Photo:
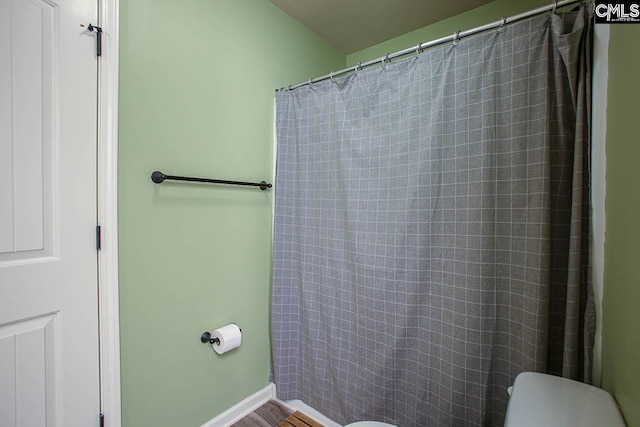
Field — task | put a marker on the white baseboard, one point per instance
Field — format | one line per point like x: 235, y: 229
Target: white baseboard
x: 243, y: 408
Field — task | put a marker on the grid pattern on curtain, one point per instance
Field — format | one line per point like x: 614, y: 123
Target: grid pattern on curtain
x: 431, y: 229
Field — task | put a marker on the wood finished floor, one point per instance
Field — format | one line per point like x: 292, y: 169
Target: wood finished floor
x: 268, y: 415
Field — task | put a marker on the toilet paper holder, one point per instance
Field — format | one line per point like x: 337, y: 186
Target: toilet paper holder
x: 205, y: 338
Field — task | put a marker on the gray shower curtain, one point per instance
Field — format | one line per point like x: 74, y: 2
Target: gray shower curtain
x: 432, y: 228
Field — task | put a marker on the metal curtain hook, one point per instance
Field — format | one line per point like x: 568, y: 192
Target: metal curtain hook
x: 456, y: 38
x: 418, y: 49
x: 503, y: 21
x: 331, y: 77
x: 555, y: 6
x: 385, y: 60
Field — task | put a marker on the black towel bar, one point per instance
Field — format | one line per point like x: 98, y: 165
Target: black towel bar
x: 158, y: 177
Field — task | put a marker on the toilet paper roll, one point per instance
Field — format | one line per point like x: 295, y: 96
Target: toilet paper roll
x: 229, y: 337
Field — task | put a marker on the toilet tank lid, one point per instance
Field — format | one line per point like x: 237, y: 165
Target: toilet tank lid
x: 547, y: 400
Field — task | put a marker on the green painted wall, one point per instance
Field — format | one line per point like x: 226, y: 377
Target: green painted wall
x: 621, y: 320
x: 473, y: 18
x: 197, y: 80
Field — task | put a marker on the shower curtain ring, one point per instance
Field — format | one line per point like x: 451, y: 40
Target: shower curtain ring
x: 385, y: 60
x: 456, y: 38
x: 503, y: 21
x: 331, y: 76
x: 555, y: 6
x: 418, y: 51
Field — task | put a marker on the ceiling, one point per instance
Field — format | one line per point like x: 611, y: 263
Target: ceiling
x: 352, y: 25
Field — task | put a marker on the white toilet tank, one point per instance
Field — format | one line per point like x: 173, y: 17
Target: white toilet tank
x: 545, y: 400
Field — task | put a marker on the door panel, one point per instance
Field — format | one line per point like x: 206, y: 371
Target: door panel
x: 29, y: 140
x: 29, y: 375
x: 49, y: 371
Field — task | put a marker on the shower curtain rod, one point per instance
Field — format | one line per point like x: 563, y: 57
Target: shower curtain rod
x: 452, y: 38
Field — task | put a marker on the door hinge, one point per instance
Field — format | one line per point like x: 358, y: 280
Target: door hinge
x: 101, y: 419
x: 98, y: 237
x: 91, y: 28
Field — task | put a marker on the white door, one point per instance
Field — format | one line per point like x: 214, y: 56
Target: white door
x: 49, y: 369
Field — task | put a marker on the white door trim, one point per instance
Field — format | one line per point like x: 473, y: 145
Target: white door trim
x: 108, y: 212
